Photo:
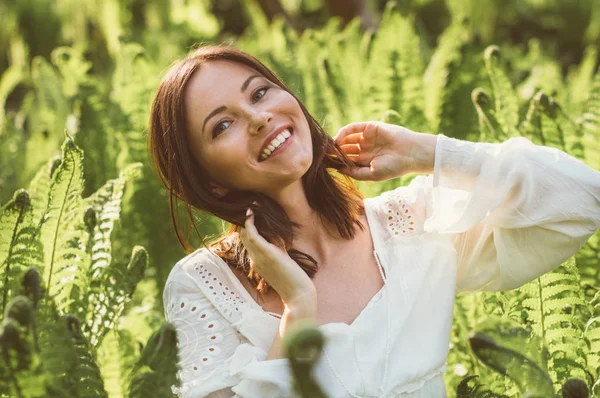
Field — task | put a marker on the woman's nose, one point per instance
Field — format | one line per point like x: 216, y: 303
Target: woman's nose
x: 259, y: 122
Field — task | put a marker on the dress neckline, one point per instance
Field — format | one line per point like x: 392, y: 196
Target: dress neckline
x: 373, y: 232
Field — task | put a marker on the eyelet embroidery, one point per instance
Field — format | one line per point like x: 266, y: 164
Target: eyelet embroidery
x: 227, y: 301
x: 400, y: 219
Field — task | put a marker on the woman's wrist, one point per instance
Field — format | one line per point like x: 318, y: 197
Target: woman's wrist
x: 302, y: 306
x: 423, y: 153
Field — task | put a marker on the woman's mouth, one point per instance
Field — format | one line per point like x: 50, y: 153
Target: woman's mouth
x: 278, y: 147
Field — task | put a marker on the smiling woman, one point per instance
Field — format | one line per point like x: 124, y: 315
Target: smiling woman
x: 214, y: 114
x: 489, y: 217
x: 226, y: 134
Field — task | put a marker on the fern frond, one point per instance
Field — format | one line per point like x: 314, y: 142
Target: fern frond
x: 112, y: 293
x: 8, y: 81
x: 489, y: 128
x: 592, y: 334
x: 554, y: 299
x: 20, y: 247
x: 65, y: 258
x: 116, y: 358
x: 57, y: 354
x: 86, y: 371
x: 315, y: 101
x: 579, y: 82
x: 48, y: 115
x: 379, y: 49
x: 332, y: 88
x: 588, y: 258
x: 73, y: 68
x: 39, y: 190
x: 590, y: 121
x: 507, y: 105
x: 104, y: 206
x: 156, y: 370
x: 446, y: 57
x: 546, y: 123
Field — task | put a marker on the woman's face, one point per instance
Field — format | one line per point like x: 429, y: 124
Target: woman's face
x: 231, y: 113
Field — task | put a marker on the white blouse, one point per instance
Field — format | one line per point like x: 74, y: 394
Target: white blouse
x: 491, y: 217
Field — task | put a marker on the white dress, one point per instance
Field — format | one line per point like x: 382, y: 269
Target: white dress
x: 490, y: 217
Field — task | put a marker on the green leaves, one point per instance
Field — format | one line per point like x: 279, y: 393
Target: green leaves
x: 49, y: 341
x: 155, y: 372
x: 64, y: 253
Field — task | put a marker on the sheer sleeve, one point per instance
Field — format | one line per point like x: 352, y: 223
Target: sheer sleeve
x: 514, y: 210
x: 216, y: 358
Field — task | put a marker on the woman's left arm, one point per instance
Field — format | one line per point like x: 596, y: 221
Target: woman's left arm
x: 514, y: 210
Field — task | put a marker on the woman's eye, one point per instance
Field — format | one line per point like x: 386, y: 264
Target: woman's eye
x: 261, y: 89
x: 217, y: 131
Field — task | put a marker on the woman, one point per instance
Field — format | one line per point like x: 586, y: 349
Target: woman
x: 377, y: 276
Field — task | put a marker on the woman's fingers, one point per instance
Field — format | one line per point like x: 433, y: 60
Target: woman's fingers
x: 356, y: 138
x: 366, y: 128
x: 248, y: 233
x: 348, y: 129
x: 351, y: 149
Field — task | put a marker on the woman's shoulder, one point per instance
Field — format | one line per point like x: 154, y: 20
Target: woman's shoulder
x: 201, y: 276
x: 401, y: 211
x: 201, y: 259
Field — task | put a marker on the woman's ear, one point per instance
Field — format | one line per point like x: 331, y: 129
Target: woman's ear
x: 218, y: 190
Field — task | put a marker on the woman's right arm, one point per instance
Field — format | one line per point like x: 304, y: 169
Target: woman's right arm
x: 301, y: 309
x: 219, y: 356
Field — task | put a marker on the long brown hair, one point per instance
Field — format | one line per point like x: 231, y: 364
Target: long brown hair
x: 336, y: 200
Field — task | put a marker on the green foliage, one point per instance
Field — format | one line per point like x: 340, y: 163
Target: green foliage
x: 63, y: 292
x: 103, y: 245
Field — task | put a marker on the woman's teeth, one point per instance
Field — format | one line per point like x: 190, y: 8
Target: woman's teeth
x: 277, y: 141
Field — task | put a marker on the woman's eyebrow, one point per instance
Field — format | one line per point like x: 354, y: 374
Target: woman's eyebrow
x: 223, y: 108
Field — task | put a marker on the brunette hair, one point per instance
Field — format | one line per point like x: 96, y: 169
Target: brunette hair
x: 337, y: 201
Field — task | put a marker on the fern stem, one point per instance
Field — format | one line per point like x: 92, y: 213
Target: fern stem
x: 10, y: 250
x: 62, y: 208
x: 543, y: 329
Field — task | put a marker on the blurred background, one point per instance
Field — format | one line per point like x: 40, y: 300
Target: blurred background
x: 482, y: 70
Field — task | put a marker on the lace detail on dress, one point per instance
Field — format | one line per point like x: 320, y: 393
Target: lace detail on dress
x: 399, y: 215
x: 200, y: 302
x: 226, y: 298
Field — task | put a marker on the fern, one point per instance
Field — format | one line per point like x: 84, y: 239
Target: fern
x: 65, y: 258
x: 592, y: 334
x: 84, y: 370
x: 590, y: 121
x: 48, y: 114
x: 155, y: 372
x: 8, y: 81
x: 19, y: 246
x: 447, y: 56
x: 73, y: 69
x: 381, y: 65
x: 579, y: 82
x: 315, y: 101
x: 116, y: 359
x: 587, y: 260
x: 507, y: 109
x: 39, y: 190
x: 116, y: 288
x: 556, y: 300
x: 106, y: 207
x: 546, y: 124
x: 489, y: 128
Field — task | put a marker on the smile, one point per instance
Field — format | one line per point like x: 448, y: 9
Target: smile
x: 282, y: 146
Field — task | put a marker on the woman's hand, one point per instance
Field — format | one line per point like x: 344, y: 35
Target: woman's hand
x: 280, y: 271
x: 383, y: 151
